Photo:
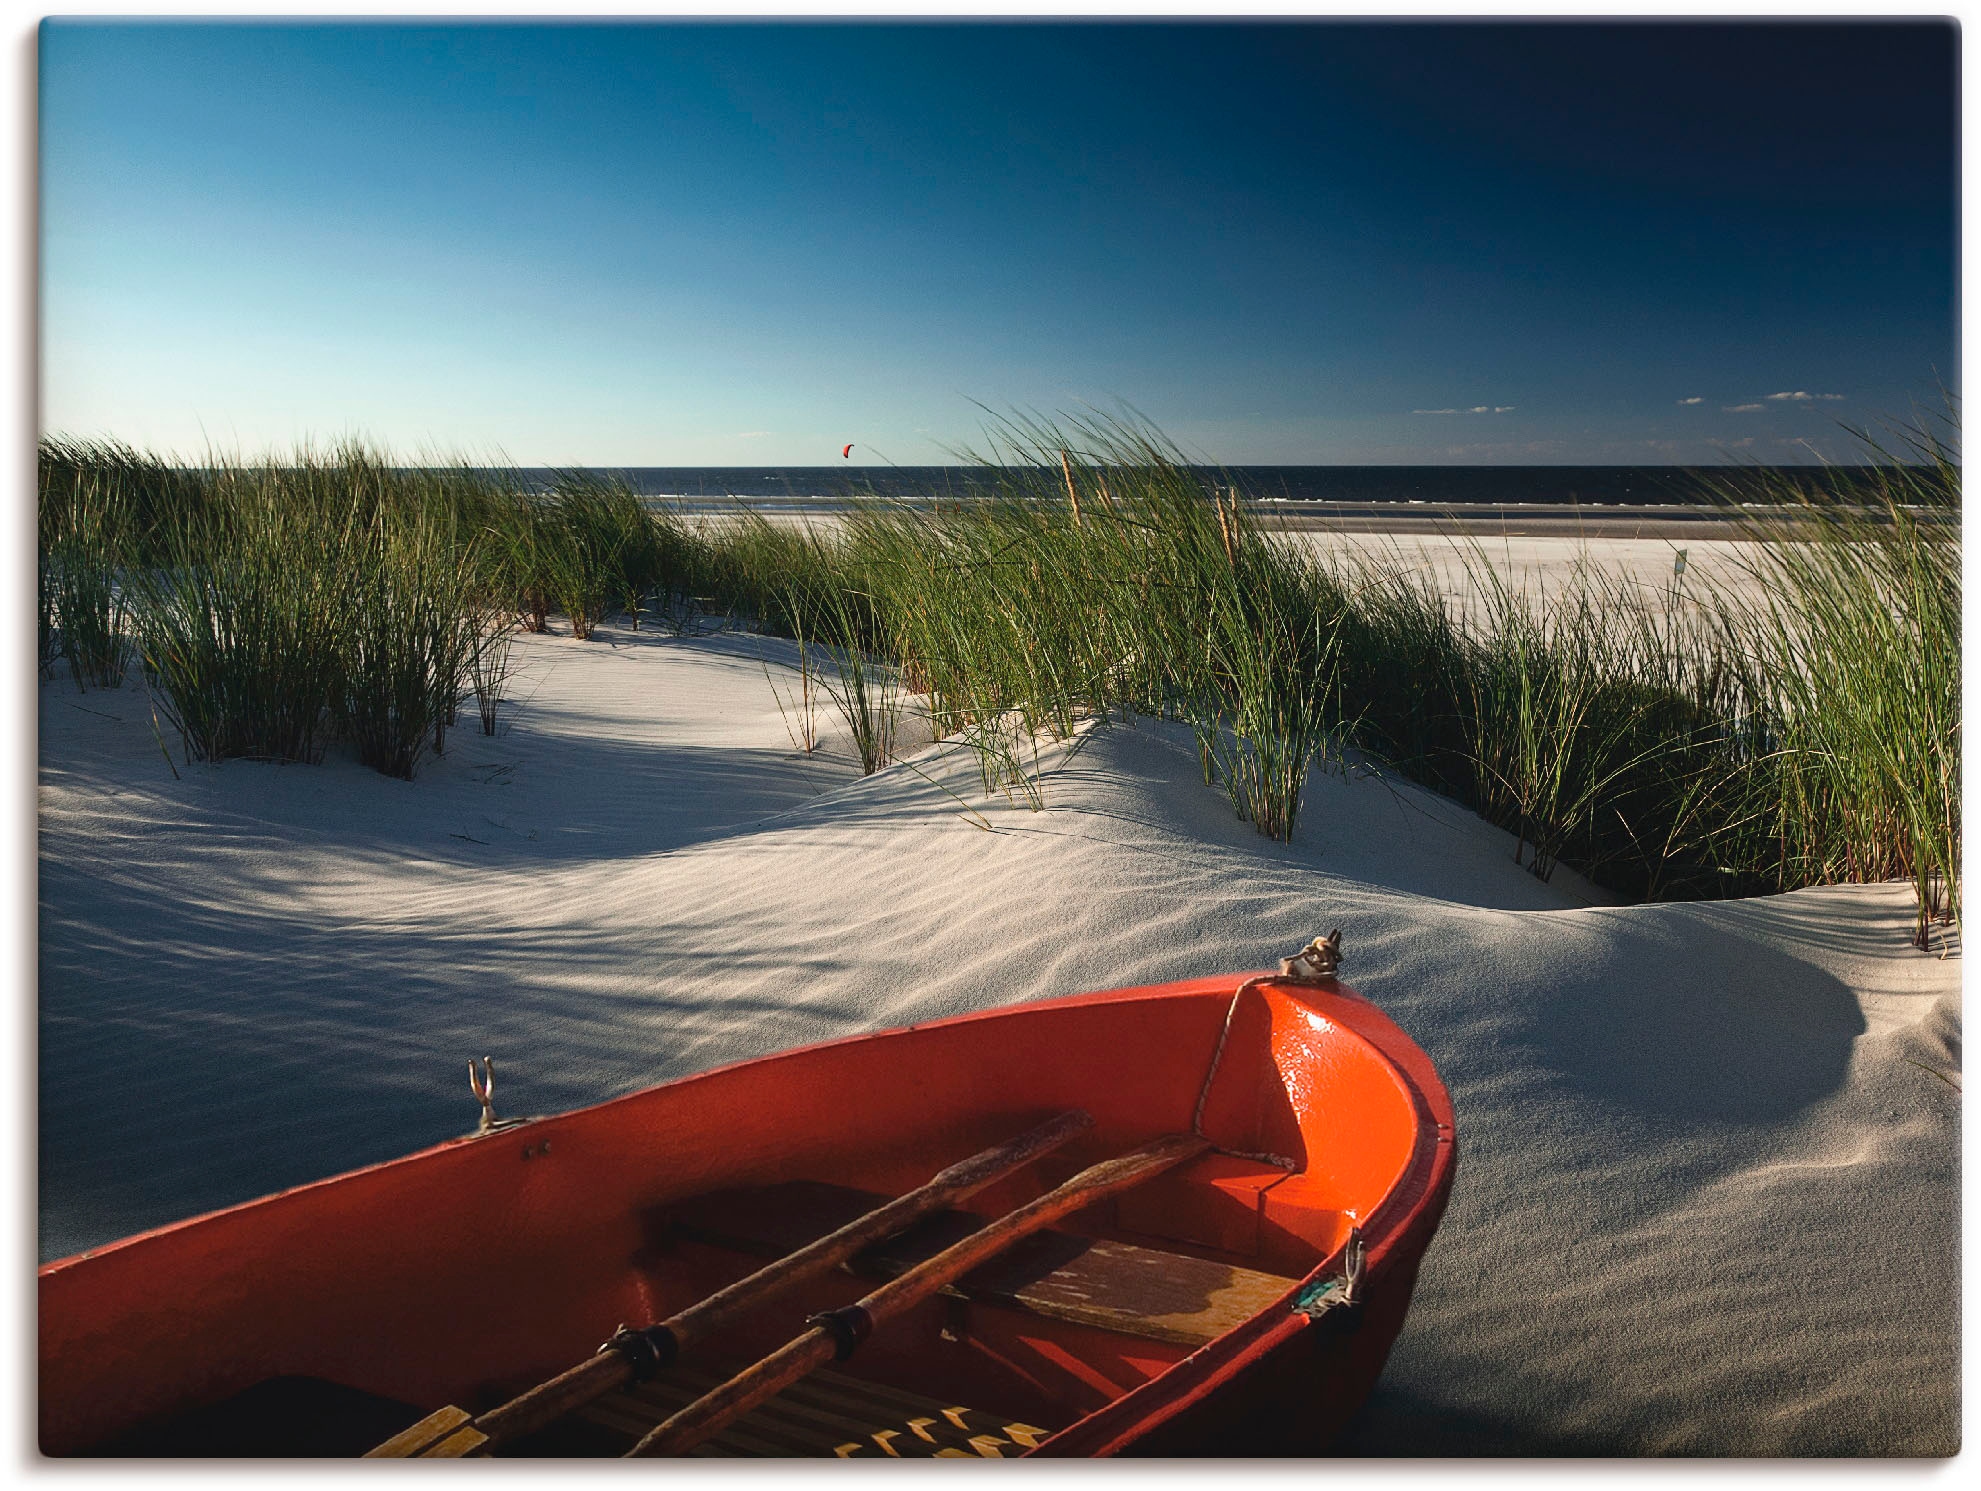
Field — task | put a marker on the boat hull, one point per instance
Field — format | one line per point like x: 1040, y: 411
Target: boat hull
x: 474, y: 1268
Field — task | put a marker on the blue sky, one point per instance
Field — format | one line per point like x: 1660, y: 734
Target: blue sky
x: 747, y: 244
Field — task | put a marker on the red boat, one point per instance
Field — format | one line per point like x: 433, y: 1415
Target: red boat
x: 1182, y: 1219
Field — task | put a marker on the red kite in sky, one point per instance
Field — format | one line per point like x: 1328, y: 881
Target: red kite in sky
x: 846, y: 452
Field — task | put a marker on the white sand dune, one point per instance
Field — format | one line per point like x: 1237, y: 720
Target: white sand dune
x: 1709, y: 1154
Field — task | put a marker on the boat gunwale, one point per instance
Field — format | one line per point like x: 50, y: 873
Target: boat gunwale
x: 1176, y: 989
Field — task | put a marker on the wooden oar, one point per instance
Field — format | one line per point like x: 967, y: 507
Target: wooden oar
x: 837, y: 1332
x: 632, y: 1352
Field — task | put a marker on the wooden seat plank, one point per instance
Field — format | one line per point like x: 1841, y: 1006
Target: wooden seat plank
x: 826, y: 1415
x: 630, y: 1418
x: 1114, y: 1286
x: 809, y: 1430
x: 781, y: 1427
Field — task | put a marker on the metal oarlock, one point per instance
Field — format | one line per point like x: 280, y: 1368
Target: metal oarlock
x: 481, y: 1079
x: 1339, y: 1297
x: 1354, y: 1262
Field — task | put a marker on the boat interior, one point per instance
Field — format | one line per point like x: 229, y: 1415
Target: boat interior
x: 530, y: 1245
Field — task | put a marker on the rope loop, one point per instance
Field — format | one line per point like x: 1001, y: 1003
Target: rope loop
x: 1315, y: 963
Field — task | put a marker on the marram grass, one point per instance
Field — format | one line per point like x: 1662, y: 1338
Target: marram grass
x: 1694, y: 744
x: 1675, y: 745
x: 1853, y: 649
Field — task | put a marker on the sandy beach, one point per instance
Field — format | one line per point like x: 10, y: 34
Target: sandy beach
x: 1708, y: 1194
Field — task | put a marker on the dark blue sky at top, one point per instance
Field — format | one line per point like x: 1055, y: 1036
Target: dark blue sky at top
x: 749, y: 243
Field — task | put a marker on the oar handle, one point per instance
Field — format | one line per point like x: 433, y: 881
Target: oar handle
x: 839, y: 1331
x: 631, y: 1353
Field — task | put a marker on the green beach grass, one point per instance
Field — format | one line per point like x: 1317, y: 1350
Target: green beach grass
x: 1800, y: 730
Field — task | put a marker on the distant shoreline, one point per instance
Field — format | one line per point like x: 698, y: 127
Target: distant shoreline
x: 1504, y: 519
x: 1561, y: 486
x: 1512, y: 519
x: 1529, y: 500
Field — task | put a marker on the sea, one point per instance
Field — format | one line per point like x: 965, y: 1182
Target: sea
x: 1486, y: 486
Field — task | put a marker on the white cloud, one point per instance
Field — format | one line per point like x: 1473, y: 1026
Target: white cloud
x: 1504, y: 450
x: 1745, y: 408
x: 1433, y: 411
x: 1799, y: 397
x: 1692, y: 401
x: 1475, y: 409
x: 1503, y: 408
